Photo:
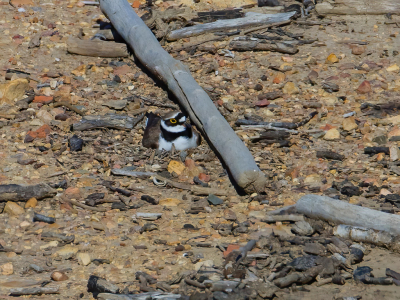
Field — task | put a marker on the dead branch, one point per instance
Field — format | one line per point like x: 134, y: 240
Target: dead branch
x: 190, y: 95
x: 96, y: 48
x: 16, y: 192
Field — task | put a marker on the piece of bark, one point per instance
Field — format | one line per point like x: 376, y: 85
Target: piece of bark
x: 106, y: 121
x: 358, y: 7
x: 376, y: 150
x: 96, y: 48
x: 250, y: 19
x: 34, y: 291
x: 340, y: 212
x: 256, y: 45
x: 189, y: 94
x: 16, y: 192
x: 392, y: 274
x: 329, y: 155
x: 282, y: 218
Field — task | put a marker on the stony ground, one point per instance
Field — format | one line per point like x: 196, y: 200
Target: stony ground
x: 353, y: 62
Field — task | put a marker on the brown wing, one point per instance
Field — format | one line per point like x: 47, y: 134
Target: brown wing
x: 152, y: 131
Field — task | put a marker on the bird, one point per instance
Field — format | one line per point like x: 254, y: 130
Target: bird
x: 162, y: 132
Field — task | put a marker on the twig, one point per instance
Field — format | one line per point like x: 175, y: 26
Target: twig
x: 34, y: 291
x: 196, y: 44
x: 153, y: 102
x: 70, y: 106
x: 269, y: 126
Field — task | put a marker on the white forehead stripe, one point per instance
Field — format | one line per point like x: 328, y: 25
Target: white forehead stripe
x: 183, y: 119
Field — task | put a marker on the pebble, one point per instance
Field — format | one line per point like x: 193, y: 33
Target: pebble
x: 364, y: 87
x: 13, y: 209
x: 7, y: 269
x: 394, y: 152
x: 331, y: 59
x: 66, y: 252
x: 75, y: 143
x: 176, y: 166
x: 357, y: 50
x: 83, y: 258
x: 43, y: 99
x: 393, y: 68
x: 32, y: 202
x: 332, y: 134
x: 349, y: 124
x: 59, y: 276
x: 214, y: 200
x: 170, y: 202
x: 290, y: 88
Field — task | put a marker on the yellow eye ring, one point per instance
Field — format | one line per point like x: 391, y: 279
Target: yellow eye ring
x: 173, y: 121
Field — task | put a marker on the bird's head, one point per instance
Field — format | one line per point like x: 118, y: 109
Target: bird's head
x: 174, y: 122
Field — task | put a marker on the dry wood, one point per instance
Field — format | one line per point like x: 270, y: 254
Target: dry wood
x: 96, y: 48
x: 81, y: 205
x: 34, y: 291
x: 358, y: 7
x: 250, y: 19
x: 106, y: 121
x: 283, y: 218
x: 16, y: 192
x: 256, y: 45
x: 340, y: 212
x: 189, y: 94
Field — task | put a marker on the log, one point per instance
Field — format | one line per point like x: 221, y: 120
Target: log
x: 34, y: 291
x: 96, y: 48
x: 250, y: 19
x: 340, y: 212
x: 16, y: 192
x: 358, y: 7
x: 195, y: 101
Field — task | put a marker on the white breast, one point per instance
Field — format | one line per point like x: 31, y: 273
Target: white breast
x: 181, y: 143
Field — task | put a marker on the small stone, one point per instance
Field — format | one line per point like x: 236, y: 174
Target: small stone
x: 116, y: 104
x: 43, y: 99
x: 280, y: 77
x: 364, y: 87
x: 229, y: 215
x: 393, y: 68
x: 179, y: 248
x: 72, y: 193
x: 331, y: 59
x: 349, y: 124
x: 83, y: 258
x: 332, y: 134
x: 61, y: 117
x: 45, y: 116
x: 75, y: 143
x: 7, y: 269
x: 204, y: 177
x: 214, y: 200
x: 59, y: 276
x: 206, y: 263
x: 262, y: 103
x: 290, y: 88
x: 176, y: 166
x: 394, y: 152
x: 13, y: 90
x: 32, y: 202
x: 357, y: 50
x: 13, y: 209
x: 18, y: 3
x: 66, y: 252
x: 313, y: 179
x: 380, y: 139
x: 394, y: 132
x: 395, y: 120
x: 231, y: 248
x: 170, y: 202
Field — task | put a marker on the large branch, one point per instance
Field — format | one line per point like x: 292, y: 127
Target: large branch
x: 250, y: 19
x: 341, y: 212
x: 359, y: 7
x: 190, y: 95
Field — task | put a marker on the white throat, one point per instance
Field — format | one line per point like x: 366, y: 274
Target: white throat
x: 174, y: 129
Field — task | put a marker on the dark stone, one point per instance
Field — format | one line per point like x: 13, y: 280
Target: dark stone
x: 149, y: 199
x: 97, y: 285
x: 304, y: 263
x: 75, y: 143
x: 269, y: 3
x: 119, y: 205
x: 360, y: 273
x: 214, y: 200
x: 351, y: 190
x: 179, y: 248
x: 392, y: 198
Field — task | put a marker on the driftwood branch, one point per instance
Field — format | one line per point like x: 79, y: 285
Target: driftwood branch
x: 255, y: 44
x: 250, y: 19
x: 16, y: 192
x: 34, y: 291
x: 96, y: 48
x: 189, y: 94
x: 340, y: 212
x: 358, y: 7
x: 106, y: 121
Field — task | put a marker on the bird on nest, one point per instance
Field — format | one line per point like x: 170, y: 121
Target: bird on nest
x: 171, y: 129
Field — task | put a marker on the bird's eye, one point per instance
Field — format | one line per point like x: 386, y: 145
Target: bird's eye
x: 173, y: 121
